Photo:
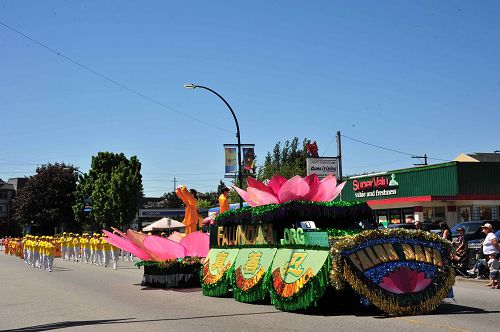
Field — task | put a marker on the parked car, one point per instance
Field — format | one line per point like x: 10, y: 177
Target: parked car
x: 405, y: 226
x: 473, y: 229
x: 431, y: 227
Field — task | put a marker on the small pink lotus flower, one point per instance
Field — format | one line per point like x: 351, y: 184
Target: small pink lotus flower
x: 280, y: 190
x: 405, y: 280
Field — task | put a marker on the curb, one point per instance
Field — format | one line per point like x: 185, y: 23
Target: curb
x: 464, y: 279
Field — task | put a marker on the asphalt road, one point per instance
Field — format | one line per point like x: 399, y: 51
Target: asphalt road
x: 90, y: 298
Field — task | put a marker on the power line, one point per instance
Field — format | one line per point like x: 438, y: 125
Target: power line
x: 107, y: 78
x: 388, y: 149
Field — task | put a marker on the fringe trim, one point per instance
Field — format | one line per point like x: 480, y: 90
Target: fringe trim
x: 307, y: 296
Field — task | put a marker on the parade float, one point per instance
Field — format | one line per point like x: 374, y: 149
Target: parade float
x: 295, y: 241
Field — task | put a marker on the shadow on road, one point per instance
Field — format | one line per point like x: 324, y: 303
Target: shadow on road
x: 175, y: 290
x: 66, y: 324
x: 60, y: 269
x: 453, y: 309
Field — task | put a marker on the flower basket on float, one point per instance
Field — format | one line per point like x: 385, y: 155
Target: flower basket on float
x: 264, y: 251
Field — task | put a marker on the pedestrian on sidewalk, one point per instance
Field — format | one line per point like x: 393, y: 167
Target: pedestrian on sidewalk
x: 494, y: 266
x: 490, y: 246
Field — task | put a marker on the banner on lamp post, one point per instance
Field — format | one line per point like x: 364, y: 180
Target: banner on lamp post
x: 231, y: 159
x: 322, y: 166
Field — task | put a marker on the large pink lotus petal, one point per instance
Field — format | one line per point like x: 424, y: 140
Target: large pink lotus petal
x: 313, y: 182
x: 197, y: 244
x: 294, y: 189
x: 275, y: 184
x: 126, y: 245
x: 261, y: 197
x: 136, y: 238
x: 245, y: 196
x: 389, y: 285
x: 176, y: 237
x: 259, y: 185
x: 330, y: 196
x: 325, y: 189
x: 119, y: 232
x: 163, y: 248
x: 422, y: 283
x: 405, y: 280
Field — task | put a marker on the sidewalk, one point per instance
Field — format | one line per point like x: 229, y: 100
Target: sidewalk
x: 471, y: 279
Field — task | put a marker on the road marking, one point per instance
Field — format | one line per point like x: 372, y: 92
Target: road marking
x: 421, y: 322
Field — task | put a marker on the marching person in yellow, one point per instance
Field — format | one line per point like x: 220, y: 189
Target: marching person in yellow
x: 50, y: 251
x: 76, y: 247
x: 36, y: 252
x: 84, y: 244
x: 64, y: 247
x: 71, y: 246
x: 190, y: 200
x: 98, y: 249
x: 106, y: 250
x: 43, y: 244
x: 93, y: 254
x: 115, y: 255
x: 25, y: 249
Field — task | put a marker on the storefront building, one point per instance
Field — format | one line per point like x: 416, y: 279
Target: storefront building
x: 451, y: 192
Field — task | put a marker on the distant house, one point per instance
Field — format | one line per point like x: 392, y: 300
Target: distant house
x: 7, y: 192
x: 479, y: 157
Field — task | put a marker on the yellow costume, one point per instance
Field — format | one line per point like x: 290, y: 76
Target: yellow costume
x: 191, y: 214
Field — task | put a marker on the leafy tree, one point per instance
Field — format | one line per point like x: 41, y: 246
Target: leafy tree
x: 204, y: 203
x: 114, y: 185
x: 221, y: 186
x: 45, y: 203
x: 289, y: 160
x: 172, y: 201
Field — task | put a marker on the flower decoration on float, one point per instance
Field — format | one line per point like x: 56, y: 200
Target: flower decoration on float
x: 280, y: 190
x: 405, y: 280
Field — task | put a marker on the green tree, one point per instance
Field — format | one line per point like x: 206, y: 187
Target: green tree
x: 114, y: 185
x: 289, y: 160
x: 172, y: 201
x: 45, y: 203
x: 221, y: 186
x: 204, y: 203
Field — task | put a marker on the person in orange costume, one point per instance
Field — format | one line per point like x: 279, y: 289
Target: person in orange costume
x: 190, y: 199
x: 223, y: 201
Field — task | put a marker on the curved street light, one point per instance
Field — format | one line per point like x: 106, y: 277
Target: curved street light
x: 240, y: 179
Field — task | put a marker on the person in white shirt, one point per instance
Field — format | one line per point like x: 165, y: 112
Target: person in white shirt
x: 490, y: 246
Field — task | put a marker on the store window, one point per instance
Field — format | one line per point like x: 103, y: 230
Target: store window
x: 382, y: 217
x: 395, y: 216
x: 428, y: 214
x: 464, y: 214
x: 485, y: 213
x: 439, y: 214
x: 409, y: 215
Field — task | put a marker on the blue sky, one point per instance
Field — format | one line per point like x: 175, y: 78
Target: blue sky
x: 414, y: 76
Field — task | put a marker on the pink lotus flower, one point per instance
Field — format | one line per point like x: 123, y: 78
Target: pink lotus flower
x: 280, y: 190
x: 156, y: 248
x: 405, y: 280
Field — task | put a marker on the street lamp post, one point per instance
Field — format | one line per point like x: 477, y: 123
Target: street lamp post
x: 240, y: 177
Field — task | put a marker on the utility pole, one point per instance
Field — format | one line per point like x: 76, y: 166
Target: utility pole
x: 420, y: 157
x: 339, y: 156
x: 175, y: 183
